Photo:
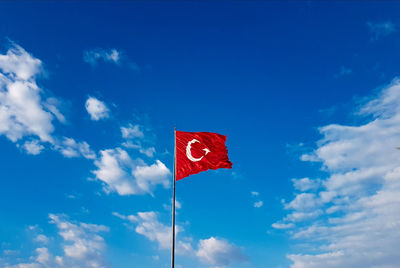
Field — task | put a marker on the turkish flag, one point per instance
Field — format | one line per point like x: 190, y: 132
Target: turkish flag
x: 199, y: 151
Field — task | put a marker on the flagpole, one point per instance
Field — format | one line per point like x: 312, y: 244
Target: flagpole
x: 173, y: 206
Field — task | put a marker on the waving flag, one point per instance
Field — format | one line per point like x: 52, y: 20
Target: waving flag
x: 200, y: 151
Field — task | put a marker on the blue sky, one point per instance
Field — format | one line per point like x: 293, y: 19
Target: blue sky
x: 307, y: 93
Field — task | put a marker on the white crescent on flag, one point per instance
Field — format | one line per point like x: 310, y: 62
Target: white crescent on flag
x: 189, y: 151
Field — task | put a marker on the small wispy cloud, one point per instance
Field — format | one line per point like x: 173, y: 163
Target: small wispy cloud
x: 149, y: 225
x: 278, y: 225
x: 131, y: 131
x: 70, y: 148
x: 343, y: 72
x: 135, y: 139
x: 381, y: 29
x: 259, y: 203
x: 114, y: 56
x: 99, y: 54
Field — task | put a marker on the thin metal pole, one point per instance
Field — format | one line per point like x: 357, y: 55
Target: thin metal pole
x: 173, y: 206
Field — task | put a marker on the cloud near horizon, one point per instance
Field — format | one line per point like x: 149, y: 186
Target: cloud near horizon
x: 213, y: 251
x: 354, y: 213
x: 82, y: 246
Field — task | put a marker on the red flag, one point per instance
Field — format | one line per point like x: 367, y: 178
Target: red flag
x: 200, y: 151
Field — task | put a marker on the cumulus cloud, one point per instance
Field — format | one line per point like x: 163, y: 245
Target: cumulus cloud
x: 82, y: 246
x: 356, y: 208
x: 149, y: 176
x: 26, y: 115
x: 20, y: 64
x: 95, y: 55
x: 22, y: 111
x: 96, y: 109
x: 381, y: 29
x: 219, y: 252
x: 126, y: 176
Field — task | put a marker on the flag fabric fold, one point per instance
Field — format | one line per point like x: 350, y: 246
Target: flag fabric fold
x: 199, y: 151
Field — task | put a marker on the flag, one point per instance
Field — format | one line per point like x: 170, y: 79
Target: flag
x: 199, y: 151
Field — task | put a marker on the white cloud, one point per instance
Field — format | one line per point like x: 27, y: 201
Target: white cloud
x: 298, y: 216
x: 70, y: 148
x: 132, y: 131
x: 42, y: 239
x: 258, y: 204
x: 126, y: 176
x: 149, y: 152
x: 22, y: 111
x: 95, y: 55
x: 96, y: 109
x: 20, y: 64
x: 219, y: 252
x: 306, y: 184
x: 82, y: 242
x: 149, y: 176
x: 255, y: 193
x: 303, y: 201
x: 381, y: 29
x: 148, y: 225
x: 178, y: 204
x: 278, y: 225
x: 133, y: 134
x: 356, y: 209
x: 82, y: 246
x: 114, y: 169
x: 168, y: 207
x: 25, y: 118
x: 33, y: 147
